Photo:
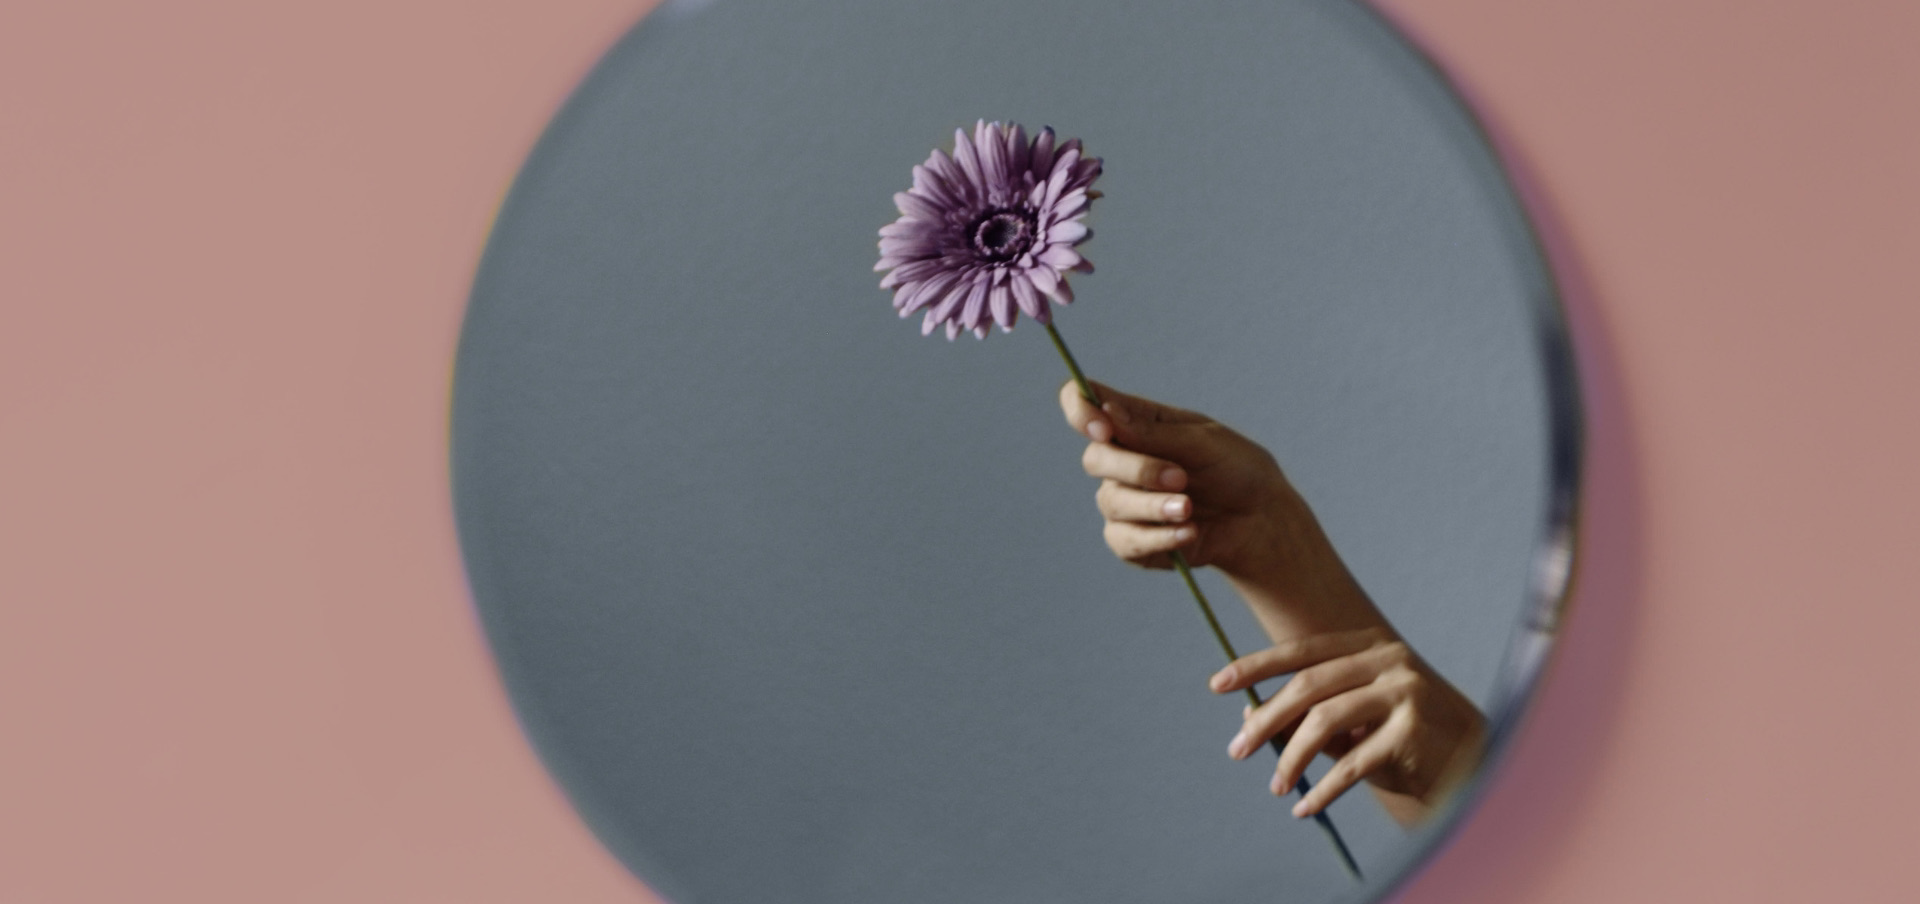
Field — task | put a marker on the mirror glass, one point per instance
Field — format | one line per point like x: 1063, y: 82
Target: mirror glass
x: 799, y: 605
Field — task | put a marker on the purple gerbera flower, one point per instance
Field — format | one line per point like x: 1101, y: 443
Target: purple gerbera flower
x: 990, y: 230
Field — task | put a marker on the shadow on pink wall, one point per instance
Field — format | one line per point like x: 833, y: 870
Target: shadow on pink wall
x: 1506, y: 848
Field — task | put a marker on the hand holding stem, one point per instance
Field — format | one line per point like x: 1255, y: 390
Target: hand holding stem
x: 1177, y: 483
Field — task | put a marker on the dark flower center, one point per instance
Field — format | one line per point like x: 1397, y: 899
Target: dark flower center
x: 1002, y: 235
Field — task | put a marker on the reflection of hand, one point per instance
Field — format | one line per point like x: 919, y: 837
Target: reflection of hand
x: 1174, y: 479
x: 1364, y: 698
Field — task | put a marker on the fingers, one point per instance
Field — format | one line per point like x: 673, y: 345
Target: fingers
x: 1145, y: 471
x: 1338, y: 715
x: 1138, y: 495
x: 1367, y: 701
x: 1147, y: 545
x: 1119, y: 502
x: 1082, y: 415
x: 1366, y: 758
x: 1097, y: 422
x: 1303, y: 695
x: 1292, y: 656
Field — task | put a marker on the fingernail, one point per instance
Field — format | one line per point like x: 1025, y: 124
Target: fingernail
x: 1183, y: 534
x: 1221, y: 679
x: 1278, y: 789
x: 1175, y: 508
x: 1099, y: 431
x: 1118, y: 413
x: 1234, y: 747
x: 1173, y: 478
x: 1300, y: 810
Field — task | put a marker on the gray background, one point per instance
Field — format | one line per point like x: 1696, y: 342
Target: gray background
x: 801, y: 606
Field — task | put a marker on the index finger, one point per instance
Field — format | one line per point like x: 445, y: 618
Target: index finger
x: 1082, y: 416
x: 1291, y: 656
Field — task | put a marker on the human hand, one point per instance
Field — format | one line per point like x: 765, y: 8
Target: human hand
x: 1172, y: 478
x: 1176, y: 479
x: 1367, y: 700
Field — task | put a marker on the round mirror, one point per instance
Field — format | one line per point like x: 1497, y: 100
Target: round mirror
x: 800, y: 605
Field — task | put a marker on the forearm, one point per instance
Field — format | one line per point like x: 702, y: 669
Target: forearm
x: 1176, y: 482
x: 1293, y: 580
x: 1297, y: 587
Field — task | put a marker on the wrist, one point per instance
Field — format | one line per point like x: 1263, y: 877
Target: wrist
x: 1292, y: 578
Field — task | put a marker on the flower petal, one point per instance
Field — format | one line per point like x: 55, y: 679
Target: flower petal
x: 1019, y: 155
x: 903, y: 293
x: 1085, y: 172
x: 1057, y: 183
x: 969, y: 163
x: 1037, y: 197
x: 1067, y: 233
x: 953, y: 330
x: 993, y: 159
x: 970, y: 316
x: 1025, y: 295
x: 916, y: 207
x: 1071, y: 144
x: 1060, y: 257
x: 1070, y: 205
x: 928, y: 292
x: 1000, y: 302
x: 949, y: 172
x: 902, y: 250
x: 1042, y: 165
x: 1044, y: 279
x: 895, y: 260
x: 892, y: 259
x: 929, y: 185
x: 950, y: 302
x: 911, y: 247
x: 1065, y: 160
x: 907, y: 227
x: 914, y: 271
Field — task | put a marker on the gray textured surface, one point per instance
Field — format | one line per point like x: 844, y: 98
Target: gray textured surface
x: 800, y: 606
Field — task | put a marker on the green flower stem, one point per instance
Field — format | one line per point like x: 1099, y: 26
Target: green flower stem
x: 1206, y: 611
x: 1073, y: 367
x: 1300, y: 787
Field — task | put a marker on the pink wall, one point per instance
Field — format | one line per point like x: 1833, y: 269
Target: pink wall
x: 236, y: 659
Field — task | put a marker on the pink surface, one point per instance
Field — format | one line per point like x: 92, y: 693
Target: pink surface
x: 237, y: 663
